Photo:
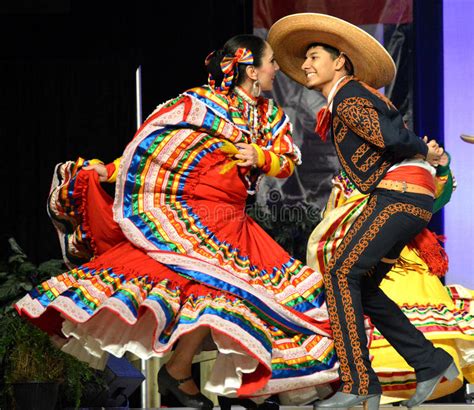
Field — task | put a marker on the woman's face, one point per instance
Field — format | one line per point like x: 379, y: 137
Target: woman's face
x: 267, y: 70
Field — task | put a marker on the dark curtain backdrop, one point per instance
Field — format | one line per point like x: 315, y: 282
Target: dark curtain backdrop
x: 429, y: 79
x: 67, y: 87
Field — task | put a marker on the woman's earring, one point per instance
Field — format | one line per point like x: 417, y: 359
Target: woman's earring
x: 256, y: 89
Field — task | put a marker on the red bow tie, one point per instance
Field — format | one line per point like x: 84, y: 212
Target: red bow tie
x: 323, y: 122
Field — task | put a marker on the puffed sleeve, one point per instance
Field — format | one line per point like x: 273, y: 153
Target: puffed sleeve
x: 277, y: 153
x: 112, y: 170
x: 445, y: 185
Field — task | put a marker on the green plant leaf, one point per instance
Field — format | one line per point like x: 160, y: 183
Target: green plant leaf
x: 27, y: 267
x: 16, y: 259
x: 52, y: 267
x: 9, y: 291
x: 26, y: 286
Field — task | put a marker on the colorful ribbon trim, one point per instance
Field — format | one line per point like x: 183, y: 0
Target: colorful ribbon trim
x: 228, y: 66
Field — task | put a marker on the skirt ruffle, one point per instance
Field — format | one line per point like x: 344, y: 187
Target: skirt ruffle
x: 124, y: 301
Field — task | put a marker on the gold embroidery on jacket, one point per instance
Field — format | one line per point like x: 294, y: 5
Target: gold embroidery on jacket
x: 340, y: 129
x: 360, y: 115
x: 369, y: 161
x: 363, y: 186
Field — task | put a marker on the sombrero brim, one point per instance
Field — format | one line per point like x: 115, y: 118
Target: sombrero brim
x: 468, y: 138
x: 291, y: 35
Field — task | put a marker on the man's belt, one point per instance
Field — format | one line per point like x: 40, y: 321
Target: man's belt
x: 402, y: 186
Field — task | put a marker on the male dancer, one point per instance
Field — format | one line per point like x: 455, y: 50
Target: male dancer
x: 381, y: 157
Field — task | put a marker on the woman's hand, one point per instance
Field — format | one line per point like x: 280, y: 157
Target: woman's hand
x: 247, y: 153
x: 100, y: 169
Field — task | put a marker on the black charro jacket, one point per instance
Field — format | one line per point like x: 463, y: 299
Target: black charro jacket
x: 369, y: 136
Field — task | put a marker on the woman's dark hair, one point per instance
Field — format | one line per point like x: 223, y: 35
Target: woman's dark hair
x: 335, y: 53
x: 255, y: 44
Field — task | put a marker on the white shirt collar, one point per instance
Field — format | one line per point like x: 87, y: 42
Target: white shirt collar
x: 332, y: 93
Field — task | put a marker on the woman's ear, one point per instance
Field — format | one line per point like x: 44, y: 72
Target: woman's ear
x: 251, y: 72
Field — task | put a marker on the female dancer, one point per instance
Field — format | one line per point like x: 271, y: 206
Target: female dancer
x: 174, y: 261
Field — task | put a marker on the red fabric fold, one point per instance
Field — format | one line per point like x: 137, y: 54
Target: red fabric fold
x: 413, y: 175
x: 323, y: 122
x: 430, y: 250
x: 97, y: 220
x: 110, y: 169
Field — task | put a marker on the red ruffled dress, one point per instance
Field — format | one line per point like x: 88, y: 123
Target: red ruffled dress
x: 175, y: 250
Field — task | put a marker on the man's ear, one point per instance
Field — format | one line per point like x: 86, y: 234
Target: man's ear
x: 251, y: 72
x: 340, y: 62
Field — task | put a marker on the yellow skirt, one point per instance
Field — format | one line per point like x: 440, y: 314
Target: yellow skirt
x: 445, y: 314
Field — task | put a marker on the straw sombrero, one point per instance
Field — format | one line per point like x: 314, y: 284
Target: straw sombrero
x: 468, y: 138
x: 291, y: 35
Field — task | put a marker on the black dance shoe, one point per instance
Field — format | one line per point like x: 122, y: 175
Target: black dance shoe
x: 168, y: 384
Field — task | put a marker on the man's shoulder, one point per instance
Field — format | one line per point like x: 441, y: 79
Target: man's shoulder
x: 353, y: 89
x: 356, y: 94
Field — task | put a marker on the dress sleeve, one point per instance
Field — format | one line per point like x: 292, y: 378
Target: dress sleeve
x: 277, y: 153
x: 363, y: 118
x: 112, y: 170
x: 445, y: 186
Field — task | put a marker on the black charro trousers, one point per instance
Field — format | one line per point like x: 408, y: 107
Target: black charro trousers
x: 389, y: 221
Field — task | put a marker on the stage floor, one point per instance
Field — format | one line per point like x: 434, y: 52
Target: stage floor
x: 387, y: 406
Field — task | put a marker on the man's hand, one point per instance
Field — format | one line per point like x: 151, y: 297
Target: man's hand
x: 100, y: 169
x: 444, y: 160
x: 434, y: 152
x: 247, y: 153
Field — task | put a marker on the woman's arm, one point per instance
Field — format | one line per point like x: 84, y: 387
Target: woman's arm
x: 277, y: 154
x: 107, y: 173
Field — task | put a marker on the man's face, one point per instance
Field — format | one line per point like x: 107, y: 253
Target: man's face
x: 319, y: 67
